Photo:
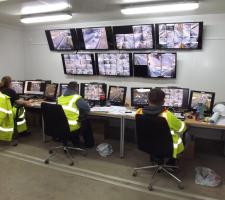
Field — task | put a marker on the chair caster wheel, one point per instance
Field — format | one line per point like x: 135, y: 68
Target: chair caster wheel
x: 47, y: 161
x: 71, y: 164
x: 50, y: 152
x: 180, y: 186
x: 150, y: 188
x: 134, y: 173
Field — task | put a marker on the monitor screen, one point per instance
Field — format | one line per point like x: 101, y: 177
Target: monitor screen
x: 51, y: 90
x: 62, y: 40
x: 139, y: 96
x: 18, y: 86
x: 117, y: 95
x: 155, y: 65
x: 95, y: 38
x: 206, y: 98
x: 176, y: 97
x: 134, y: 37
x: 114, y: 64
x: 34, y: 87
x: 78, y: 64
x: 179, y: 35
x: 93, y: 91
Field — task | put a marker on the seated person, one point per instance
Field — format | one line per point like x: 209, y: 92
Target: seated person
x: 76, y: 110
x: 177, y: 127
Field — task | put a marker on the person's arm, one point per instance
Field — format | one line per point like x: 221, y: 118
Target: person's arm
x: 83, y: 106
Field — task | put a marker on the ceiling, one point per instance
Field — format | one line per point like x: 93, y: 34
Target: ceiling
x: 99, y: 10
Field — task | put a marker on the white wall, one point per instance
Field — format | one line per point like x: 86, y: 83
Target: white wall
x: 11, y: 52
x: 200, y: 69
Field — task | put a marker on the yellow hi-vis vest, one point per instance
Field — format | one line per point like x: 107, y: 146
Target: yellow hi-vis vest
x: 71, y: 110
x: 21, y: 124
x: 6, y: 118
x: 177, y: 128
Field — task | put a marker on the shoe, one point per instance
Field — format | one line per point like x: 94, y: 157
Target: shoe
x: 14, y: 143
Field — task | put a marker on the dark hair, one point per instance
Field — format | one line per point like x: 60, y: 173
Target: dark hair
x: 156, y: 96
x: 73, y: 85
x: 5, y: 82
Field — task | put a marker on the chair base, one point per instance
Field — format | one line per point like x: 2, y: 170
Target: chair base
x: 67, y: 151
x: 159, y: 168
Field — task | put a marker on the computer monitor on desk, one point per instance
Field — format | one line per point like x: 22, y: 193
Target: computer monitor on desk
x: 205, y: 98
x: 18, y: 86
x: 50, y: 91
x: 34, y: 88
x: 117, y: 95
x: 63, y: 87
x: 139, y: 97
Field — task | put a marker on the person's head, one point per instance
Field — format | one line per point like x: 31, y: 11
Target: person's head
x: 6, y: 82
x: 73, y: 85
x: 156, y: 97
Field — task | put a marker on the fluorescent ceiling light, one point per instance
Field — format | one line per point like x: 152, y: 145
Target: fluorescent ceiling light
x: 45, y: 8
x: 46, y: 18
x: 174, y: 7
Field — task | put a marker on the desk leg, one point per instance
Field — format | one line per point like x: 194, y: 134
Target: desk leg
x: 122, y: 130
x: 43, y: 130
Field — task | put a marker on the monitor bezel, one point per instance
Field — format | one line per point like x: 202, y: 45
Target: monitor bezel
x: 122, y: 103
x: 128, y: 26
x: 109, y: 37
x: 55, y: 93
x: 200, y: 39
x: 74, y: 40
x: 206, y: 92
x: 20, y: 81
x: 132, y: 96
x: 30, y: 93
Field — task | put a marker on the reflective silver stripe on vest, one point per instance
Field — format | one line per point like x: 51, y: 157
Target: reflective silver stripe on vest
x: 71, y: 109
x: 22, y: 122
x: 172, y: 132
x: 5, y: 111
x: 72, y: 122
x: 6, y: 129
x: 2, y: 96
x: 182, y: 127
x: 75, y: 97
x: 22, y: 115
x: 70, y: 105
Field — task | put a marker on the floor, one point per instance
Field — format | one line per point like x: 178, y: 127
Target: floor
x: 25, y: 176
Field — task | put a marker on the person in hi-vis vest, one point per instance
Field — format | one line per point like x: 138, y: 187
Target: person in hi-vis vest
x: 76, y: 109
x: 177, y: 127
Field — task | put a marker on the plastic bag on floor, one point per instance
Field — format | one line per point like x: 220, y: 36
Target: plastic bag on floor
x: 104, y: 149
x: 206, y: 177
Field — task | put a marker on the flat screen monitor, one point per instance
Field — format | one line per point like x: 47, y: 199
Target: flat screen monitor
x: 155, y: 65
x: 117, y: 95
x: 93, y: 91
x: 18, y: 86
x: 34, y: 87
x: 187, y: 35
x: 51, y: 90
x: 62, y: 39
x: 114, y: 64
x: 176, y: 97
x: 100, y: 38
x: 134, y: 37
x: 78, y: 64
x: 205, y: 98
x: 139, y: 97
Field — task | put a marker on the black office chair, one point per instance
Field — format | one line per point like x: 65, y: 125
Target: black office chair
x: 56, y: 126
x: 154, y: 138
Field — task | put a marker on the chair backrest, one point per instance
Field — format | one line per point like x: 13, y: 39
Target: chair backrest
x: 55, y: 121
x: 153, y: 135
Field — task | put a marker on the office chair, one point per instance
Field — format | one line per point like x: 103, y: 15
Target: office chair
x: 154, y: 138
x: 56, y: 126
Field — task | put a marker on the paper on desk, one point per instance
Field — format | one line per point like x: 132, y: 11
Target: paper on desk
x: 221, y: 121
x: 111, y: 109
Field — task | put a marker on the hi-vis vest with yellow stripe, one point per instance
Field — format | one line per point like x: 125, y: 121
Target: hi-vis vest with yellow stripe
x: 177, y: 128
x: 69, y: 106
x: 21, y: 124
x: 6, y: 118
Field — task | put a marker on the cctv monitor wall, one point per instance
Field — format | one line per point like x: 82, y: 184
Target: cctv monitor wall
x: 179, y: 35
x: 117, y: 95
x: 114, y: 64
x: 99, y: 38
x: 62, y: 39
x: 34, y: 87
x: 78, y: 64
x: 18, y: 86
x: 205, y: 98
x: 134, y: 37
x: 155, y: 65
x: 139, y: 97
x: 51, y: 90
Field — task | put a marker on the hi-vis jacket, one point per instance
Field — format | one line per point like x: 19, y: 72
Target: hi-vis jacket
x: 6, y: 118
x: 21, y: 125
x: 177, y: 128
x: 71, y: 110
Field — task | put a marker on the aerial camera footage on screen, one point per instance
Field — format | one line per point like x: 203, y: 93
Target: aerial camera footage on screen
x: 114, y: 64
x: 179, y: 35
x: 155, y: 65
x: 80, y: 64
x: 50, y: 90
x: 173, y: 97
x: 117, y: 94
x: 18, y: 86
x: 62, y: 39
x: 93, y: 92
x: 140, y: 96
